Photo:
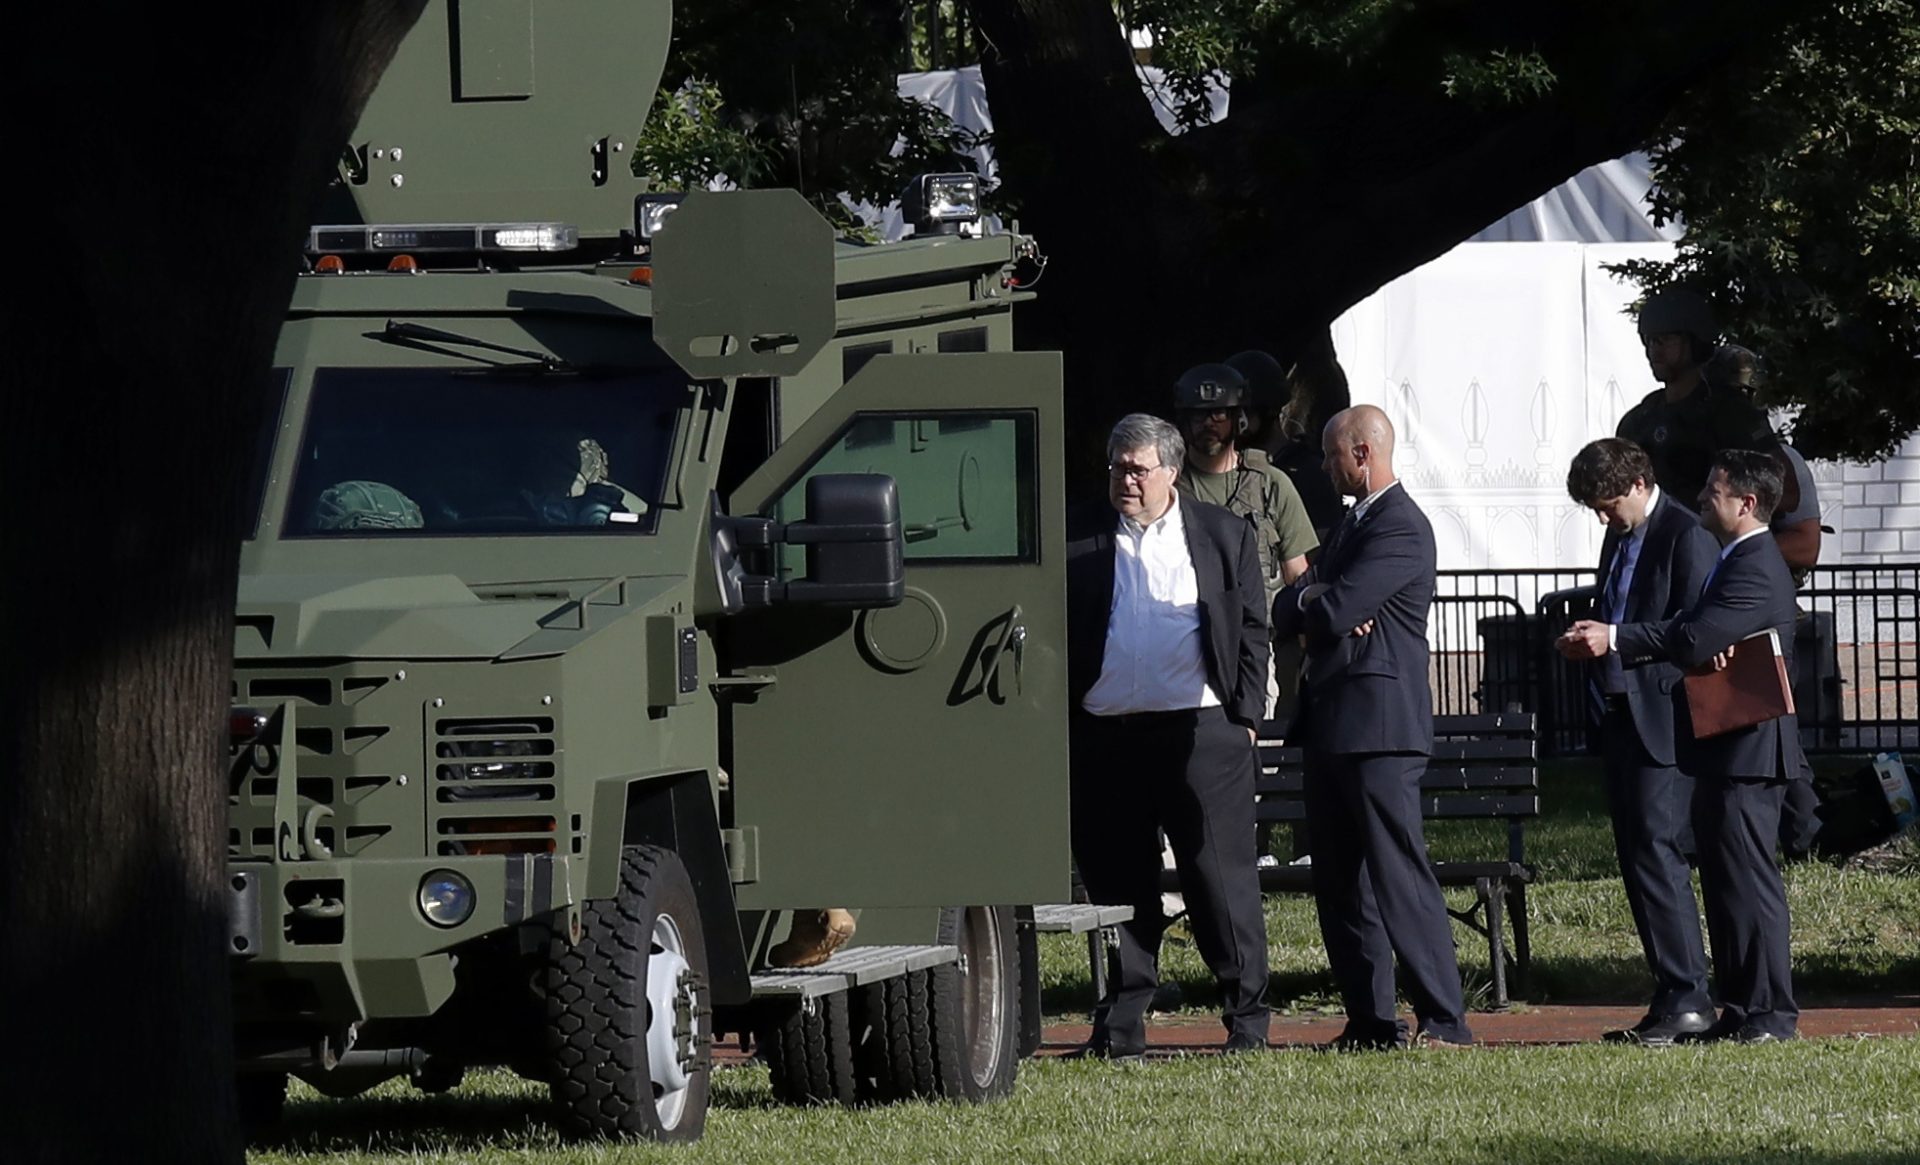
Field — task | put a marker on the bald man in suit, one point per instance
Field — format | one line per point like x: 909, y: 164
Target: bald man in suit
x: 1366, y: 722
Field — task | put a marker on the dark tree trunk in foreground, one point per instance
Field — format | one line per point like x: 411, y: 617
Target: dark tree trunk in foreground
x: 1325, y: 181
x: 165, y: 158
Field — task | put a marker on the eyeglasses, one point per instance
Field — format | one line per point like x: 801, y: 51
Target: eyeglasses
x: 1119, y: 472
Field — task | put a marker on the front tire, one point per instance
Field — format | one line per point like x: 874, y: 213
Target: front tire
x: 629, y: 1020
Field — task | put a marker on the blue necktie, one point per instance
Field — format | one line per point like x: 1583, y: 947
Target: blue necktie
x: 1613, y: 600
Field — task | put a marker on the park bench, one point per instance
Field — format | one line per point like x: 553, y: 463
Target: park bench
x: 1483, y: 767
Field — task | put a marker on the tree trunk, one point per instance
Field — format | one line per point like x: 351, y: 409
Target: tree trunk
x: 1327, y: 179
x: 170, y: 163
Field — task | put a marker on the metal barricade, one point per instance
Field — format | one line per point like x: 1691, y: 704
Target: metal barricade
x: 1856, y: 675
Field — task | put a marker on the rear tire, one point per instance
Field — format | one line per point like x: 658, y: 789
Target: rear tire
x: 629, y: 1020
x: 950, y: 1032
x: 809, y: 1052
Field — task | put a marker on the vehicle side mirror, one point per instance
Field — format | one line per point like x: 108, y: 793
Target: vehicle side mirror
x: 855, y: 548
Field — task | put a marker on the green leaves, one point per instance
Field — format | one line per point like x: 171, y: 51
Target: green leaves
x: 688, y: 141
x: 1798, y: 178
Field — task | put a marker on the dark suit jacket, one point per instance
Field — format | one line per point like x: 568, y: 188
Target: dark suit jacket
x: 1367, y: 693
x: 1751, y: 591
x: 1233, y: 600
x: 1674, y: 560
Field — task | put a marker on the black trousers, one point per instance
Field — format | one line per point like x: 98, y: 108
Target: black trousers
x: 1376, y: 894
x: 1652, y: 807
x: 1737, y: 823
x: 1190, y: 774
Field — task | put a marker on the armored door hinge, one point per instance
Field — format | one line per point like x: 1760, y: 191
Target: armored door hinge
x: 743, y: 854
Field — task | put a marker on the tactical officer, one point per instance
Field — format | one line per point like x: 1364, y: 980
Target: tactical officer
x: 1211, y: 403
x: 1685, y: 422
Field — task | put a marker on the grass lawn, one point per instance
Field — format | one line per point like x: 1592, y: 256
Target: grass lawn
x: 1855, y: 931
x: 1835, y: 1103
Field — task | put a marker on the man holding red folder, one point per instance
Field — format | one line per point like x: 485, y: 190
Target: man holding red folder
x: 1743, y: 773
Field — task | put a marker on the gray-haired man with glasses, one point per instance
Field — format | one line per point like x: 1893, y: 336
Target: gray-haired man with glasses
x: 1166, y: 683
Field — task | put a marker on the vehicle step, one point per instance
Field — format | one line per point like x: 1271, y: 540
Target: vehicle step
x: 849, y: 968
x: 1078, y: 918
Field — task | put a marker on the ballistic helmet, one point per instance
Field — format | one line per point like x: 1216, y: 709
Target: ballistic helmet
x: 1737, y: 366
x: 365, y: 505
x: 1678, y: 310
x: 1211, y: 386
x: 1266, y: 380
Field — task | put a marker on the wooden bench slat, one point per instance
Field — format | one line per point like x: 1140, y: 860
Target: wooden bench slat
x: 1453, y: 807
x: 1475, y: 805
x: 1292, y: 782
x: 1483, y: 724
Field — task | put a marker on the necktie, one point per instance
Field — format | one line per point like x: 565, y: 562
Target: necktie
x: 1339, y: 534
x: 1615, y: 593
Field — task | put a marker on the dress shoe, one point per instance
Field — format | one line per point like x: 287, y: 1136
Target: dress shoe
x: 1098, y: 1050
x: 1244, y: 1042
x: 1363, y: 1040
x: 1749, y: 1035
x: 1722, y: 1029
x: 813, y: 938
x: 1661, y: 1031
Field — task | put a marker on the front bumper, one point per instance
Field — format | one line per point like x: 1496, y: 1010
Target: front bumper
x: 342, y: 942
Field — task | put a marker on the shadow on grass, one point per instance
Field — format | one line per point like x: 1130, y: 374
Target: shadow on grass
x: 1569, y: 1151
x: 472, y: 1119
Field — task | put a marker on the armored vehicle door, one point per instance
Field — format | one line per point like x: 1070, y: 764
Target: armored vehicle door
x: 916, y: 755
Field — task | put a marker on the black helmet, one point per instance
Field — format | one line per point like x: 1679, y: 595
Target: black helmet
x: 1211, y: 386
x: 1266, y: 380
x: 1737, y: 366
x: 1678, y: 310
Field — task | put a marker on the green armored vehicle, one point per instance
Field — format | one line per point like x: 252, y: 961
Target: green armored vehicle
x: 630, y: 573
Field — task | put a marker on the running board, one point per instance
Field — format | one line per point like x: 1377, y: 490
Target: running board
x: 1078, y: 918
x: 848, y: 968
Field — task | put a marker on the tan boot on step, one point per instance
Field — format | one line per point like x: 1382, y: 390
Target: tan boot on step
x: 814, y: 936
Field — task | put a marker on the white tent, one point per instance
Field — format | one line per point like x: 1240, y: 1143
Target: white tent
x: 1498, y: 362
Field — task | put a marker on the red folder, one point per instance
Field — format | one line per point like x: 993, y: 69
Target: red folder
x: 1752, y: 689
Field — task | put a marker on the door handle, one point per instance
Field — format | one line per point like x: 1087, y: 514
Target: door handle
x: 1013, y: 640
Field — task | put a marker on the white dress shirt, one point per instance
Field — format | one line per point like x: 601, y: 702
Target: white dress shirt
x: 1154, y: 660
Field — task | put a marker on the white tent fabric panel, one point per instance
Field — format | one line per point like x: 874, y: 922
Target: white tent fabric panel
x: 1497, y: 363
x: 1605, y: 203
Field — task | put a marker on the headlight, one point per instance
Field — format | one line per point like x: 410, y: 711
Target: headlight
x: 446, y: 898
x: 936, y: 204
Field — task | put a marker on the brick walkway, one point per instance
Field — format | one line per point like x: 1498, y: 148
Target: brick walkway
x: 1896, y: 1015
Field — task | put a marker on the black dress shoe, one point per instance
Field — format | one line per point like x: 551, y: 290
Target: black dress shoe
x: 1749, y: 1035
x: 1724, y: 1029
x: 1244, y: 1042
x: 1362, y: 1040
x: 1661, y: 1031
x: 1096, y: 1050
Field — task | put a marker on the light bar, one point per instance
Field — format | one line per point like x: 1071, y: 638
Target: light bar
x: 489, y: 236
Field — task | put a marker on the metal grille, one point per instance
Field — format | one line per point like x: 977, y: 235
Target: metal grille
x: 318, y: 733
x: 494, y: 786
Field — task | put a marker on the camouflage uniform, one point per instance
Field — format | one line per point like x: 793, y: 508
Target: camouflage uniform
x: 1265, y: 497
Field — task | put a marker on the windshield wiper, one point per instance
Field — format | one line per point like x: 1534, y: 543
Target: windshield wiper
x: 418, y: 335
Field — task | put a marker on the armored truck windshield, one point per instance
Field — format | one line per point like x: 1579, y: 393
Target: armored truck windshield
x: 413, y: 452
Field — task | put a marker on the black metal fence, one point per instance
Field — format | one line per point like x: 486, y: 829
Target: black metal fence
x: 1856, y: 653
